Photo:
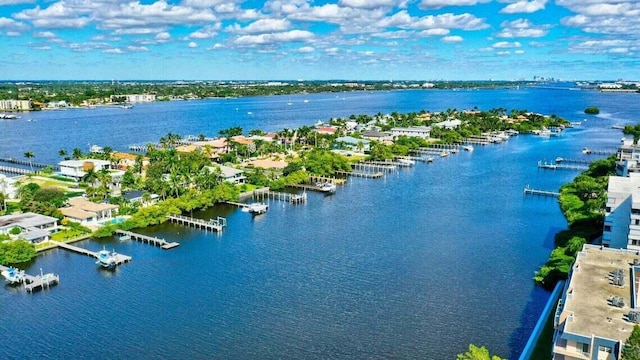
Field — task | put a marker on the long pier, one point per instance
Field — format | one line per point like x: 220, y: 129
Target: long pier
x: 530, y: 191
x: 309, y: 187
x: 598, y: 152
x: 376, y: 175
x: 11, y: 160
x: 212, y: 224
x: 282, y: 196
x: 561, y: 166
x: 162, y: 243
x: 32, y: 283
x: 15, y: 170
x: 119, y: 258
x: 416, y: 158
x: 573, y: 161
x: 472, y: 141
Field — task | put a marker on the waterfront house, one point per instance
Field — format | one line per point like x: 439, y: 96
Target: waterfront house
x: 448, y: 124
x: 228, y: 174
x: 78, y: 168
x: 351, y: 143
x: 137, y: 196
x: 598, y: 308
x: 326, y: 130
x: 413, y: 131
x: 86, y: 212
x: 33, y: 227
x: 377, y: 136
x: 212, y: 148
x: 125, y: 161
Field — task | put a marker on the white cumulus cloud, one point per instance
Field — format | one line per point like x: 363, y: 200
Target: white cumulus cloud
x: 452, y: 39
x: 524, y: 6
x: 265, y: 39
x: 438, y: 4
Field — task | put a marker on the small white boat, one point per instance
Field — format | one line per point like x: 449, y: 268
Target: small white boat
x: 13, y: 275
x: 467, y: 148
x: 545, y: 132
x: 586, y: 151
x: 106, y: 258
x: 326, y: 187
x: 256, y: 208
x: 559, y: 159
x: 406, y: 162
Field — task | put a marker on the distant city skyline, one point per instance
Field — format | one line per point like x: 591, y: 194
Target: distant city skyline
x: 319, y: 40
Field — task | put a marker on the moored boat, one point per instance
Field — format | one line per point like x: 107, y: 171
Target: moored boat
x: 406, y: 162
x: 13, y: 275
x: 326, y: 187
x: 106, y: 258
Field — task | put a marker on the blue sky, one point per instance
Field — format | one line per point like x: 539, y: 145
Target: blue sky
x: 305, y: 39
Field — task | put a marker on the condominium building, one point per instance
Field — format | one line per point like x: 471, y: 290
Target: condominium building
x: 413, y: 131
x: 599, y: 306
x: 15, y: 105
x: 622, y: 213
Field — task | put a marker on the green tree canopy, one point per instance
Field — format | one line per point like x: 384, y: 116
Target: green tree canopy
x: 631, y: 349
x: 477, y: 353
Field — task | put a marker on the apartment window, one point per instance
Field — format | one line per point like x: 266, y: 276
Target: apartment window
x: 637, y: 221
x: 583, y: 347
x: 608, y: 208
x: 608, y: 227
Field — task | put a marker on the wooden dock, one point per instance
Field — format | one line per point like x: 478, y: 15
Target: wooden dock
x: 472, y: 141
x: 41, y: 281
x: 530, y: 191
x: 211, y: 225
x: 561, y: 166
x: 415, y: 158
x: 281, y: 196
x: 320, y: 179
x: 162, y: 243
x: 11, y: 160
x: 120, y: 259
x: 364, y: 166
x: 17, y: 171
x: 366, y: 175
x: 308, y: 187
x: 587, y: 151
x: 254, y: 208
x: 573, y: 161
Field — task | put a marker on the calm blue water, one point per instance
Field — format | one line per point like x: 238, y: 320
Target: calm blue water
x: 416, y: 265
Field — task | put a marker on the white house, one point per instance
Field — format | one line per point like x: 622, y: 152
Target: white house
x: 413, y: 131
x: 448, y: 124
x: 34, y: 227
x: 136, y: 98
x: 229, y: 174
x: 78, y: 168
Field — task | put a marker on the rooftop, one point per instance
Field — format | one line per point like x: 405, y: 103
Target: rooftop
x: 25, y: 220
x: 77, y: 163
x: 590, y: 290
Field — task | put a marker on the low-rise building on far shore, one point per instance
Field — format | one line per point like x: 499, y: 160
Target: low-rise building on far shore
x: 413, y: 131
x: 15, y: 105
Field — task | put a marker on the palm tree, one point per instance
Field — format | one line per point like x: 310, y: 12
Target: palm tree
x: 29, y: 155
x: 76, y: 153
x: 62, y: 153
x: 90, y: 176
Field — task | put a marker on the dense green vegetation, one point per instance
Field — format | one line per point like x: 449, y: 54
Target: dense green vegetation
x: 15, y: 252
x: 631, y: 349
x: 75, y: 93
x: 632, y: 130
x: 592, y: 110
x: 187, y: 202
x: 477, y: 353
x: 582, y: 202
x: 42, y: 200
